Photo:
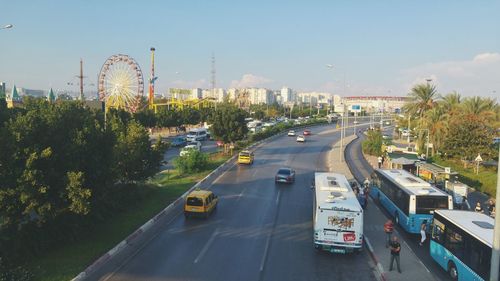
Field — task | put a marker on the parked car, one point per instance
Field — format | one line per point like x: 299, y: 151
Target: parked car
x: 195, y: 143
x: 178, y: 141
x: 285, y: 175
x: 219, y: 143
x: 356, y: 122
x: 187, y: 149
x: 301, y: 138
x: 291, y: 133
x: 307, y: 132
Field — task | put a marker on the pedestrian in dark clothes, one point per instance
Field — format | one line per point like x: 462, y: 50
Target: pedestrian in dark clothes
x: 395, y: 249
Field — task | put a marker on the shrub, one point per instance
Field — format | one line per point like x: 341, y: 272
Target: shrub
x: 373, y: 144
x: 192, y: 162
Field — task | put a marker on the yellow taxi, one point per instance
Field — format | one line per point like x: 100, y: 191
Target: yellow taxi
x: 245, y: 157
x: 200, y: 203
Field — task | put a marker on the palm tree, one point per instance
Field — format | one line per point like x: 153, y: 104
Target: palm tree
x: 451, y: 101
x: 422, y: 98
x: 483, y: 108
x: 436, y: 121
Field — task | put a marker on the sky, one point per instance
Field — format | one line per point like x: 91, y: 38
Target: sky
x: 377, y: 47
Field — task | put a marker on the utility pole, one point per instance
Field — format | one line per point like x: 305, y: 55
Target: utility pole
x: 212, y: 72
x: 495, y: 251
x: 82, y: 97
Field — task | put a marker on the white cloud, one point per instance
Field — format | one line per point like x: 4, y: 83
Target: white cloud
x: 249, y: 80
x: 476, y: 76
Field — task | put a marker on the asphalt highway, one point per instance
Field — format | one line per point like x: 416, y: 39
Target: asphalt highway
x: 260, y: 231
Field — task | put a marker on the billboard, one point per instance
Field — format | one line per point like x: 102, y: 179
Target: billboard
x: 356, y: 108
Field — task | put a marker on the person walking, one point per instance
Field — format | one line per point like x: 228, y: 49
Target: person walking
x: 423, y: 228
x: 491, y: 207
x: 379, y: 159
x: 478, y: 208
x: 395, y: 249
x: 388, y: 229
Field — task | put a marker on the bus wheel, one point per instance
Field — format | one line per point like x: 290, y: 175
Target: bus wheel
x: 452, y: 270
x: 396, y: 218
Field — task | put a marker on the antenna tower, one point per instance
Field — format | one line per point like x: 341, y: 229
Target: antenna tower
x: 213, y: 75
x: 82, y: 97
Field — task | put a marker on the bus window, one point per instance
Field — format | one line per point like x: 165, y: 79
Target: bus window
x: 427, y: 204
x: 455, y: 243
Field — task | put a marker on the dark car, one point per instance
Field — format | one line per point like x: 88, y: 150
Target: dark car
x: 285, y: 175
x: 179, y: 141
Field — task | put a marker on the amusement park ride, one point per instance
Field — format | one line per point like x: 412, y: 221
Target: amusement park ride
x: 121, y: 85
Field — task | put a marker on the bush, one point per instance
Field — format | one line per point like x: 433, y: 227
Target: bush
x: 8, y: 273
x: 192, y: 162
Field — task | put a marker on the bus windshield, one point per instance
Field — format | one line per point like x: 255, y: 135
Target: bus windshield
x: 427, y: 204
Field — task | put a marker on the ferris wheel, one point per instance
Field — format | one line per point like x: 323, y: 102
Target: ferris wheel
x: 121, y: 83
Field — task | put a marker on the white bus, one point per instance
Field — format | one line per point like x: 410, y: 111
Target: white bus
x: 461, y: 243
x: 337, y: 215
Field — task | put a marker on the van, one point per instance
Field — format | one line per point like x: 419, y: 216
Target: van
x: 245, y: 157
x: 200, y: 203
x: 199, y: 134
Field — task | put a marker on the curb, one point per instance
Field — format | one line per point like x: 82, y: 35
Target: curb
x: 378, y: 265
x: 129, y: 240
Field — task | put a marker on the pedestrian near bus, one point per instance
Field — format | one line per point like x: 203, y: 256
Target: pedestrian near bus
x: 478, y: 208
x: 379, y: 159
x: 491, y: 206
x: 388, y: 229
x: 423, y: 228
x: 395, y: 249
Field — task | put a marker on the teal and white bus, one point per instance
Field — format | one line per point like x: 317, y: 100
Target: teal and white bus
x: 461, y: 243
x: 408, y: 199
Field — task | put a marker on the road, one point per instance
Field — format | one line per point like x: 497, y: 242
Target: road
x: 260, y: 231
x: 362, y: 168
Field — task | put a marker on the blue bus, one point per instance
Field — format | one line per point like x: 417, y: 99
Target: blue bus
x: 461, y: 243
x: 408, y: 199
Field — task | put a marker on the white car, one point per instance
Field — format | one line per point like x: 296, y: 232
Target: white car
x: 291, y: 133
x: 356, y: 122
x: 301, y: 138
x: 195, y: 143
x: 188, y: 148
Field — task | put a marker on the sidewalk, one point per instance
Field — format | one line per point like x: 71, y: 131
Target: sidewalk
x: 374, y: 218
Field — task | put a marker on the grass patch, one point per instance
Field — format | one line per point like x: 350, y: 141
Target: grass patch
x: 485, y: 181
x: 66, y: 262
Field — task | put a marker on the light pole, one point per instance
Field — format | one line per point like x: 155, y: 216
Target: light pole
x: 495, y: 251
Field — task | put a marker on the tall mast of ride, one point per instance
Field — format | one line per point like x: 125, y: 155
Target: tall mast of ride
x: 152, y: 79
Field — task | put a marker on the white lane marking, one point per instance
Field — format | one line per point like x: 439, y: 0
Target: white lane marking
x: 266, y: 249
x: 416, y: 257
x: 205, y: 249
x: 241, y: 194
x: 278, y: 197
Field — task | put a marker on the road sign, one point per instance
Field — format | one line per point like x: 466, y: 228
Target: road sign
x: 356, y: 108
x: 478, y: 158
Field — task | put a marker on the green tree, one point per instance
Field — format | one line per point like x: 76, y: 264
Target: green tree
x: 422, y: 98
x: 373, y: 143
x: 146, y: 118
x: 192, y: 162
x: 228, y: 123
x: 469, y: 136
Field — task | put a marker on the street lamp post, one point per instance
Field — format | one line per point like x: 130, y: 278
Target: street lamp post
x: 495, y: 253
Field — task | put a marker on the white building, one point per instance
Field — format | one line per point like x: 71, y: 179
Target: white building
x: 260, y: 96
x: 287, y: 96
